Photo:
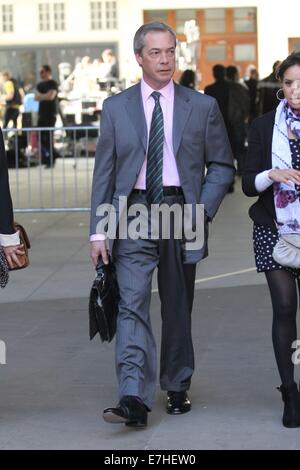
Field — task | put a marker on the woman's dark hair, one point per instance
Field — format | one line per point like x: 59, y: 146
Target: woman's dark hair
x: 292, y: 59
x: 188, y: 78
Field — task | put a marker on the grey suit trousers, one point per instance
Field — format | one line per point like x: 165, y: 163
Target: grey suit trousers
x: 136, y: 359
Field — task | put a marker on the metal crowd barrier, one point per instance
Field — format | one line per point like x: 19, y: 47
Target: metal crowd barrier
x: 61, y: 184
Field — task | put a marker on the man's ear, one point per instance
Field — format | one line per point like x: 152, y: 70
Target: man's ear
x: 139, y: 59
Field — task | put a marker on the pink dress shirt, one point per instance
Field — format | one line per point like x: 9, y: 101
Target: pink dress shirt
x: 170, y: 172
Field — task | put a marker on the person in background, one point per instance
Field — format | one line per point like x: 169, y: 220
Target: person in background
x: 271, y: 172
x: 46, y: 95
x: 220, y: 90
x: 238, y: 114
x: 268, y: 88
x: 109, y: 67
x: 12, y: 99
x: 9, y: 238
x: 188, y: 79
x: 252, y: 84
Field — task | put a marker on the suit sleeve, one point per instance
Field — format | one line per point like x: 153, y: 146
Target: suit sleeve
x: 253, y: 162
x: 6, y: 209
x: 104, y: 170
x: 219, y: 162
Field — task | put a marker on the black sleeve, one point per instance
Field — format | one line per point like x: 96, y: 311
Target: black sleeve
x: 254, y: 160
x: 6, y: 210
x: 53, y: 85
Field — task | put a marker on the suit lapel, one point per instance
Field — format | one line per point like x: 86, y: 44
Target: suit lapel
x: 182, y: 110
x: 136, y: 114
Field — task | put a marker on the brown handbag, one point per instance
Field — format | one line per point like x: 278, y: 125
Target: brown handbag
x: 24, y: 240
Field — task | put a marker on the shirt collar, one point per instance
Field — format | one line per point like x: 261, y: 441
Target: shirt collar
x: 167, y: 92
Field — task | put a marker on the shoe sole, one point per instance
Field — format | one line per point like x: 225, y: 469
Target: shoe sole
x: 291, y: 425
x: 178, y: 412
x: 114, y: 419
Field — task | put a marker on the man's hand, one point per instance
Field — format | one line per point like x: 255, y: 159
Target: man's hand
x: 11, y: 253
x: 98, y: 248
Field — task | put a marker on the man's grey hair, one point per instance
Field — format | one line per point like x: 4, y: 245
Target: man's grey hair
x: 139, y: 37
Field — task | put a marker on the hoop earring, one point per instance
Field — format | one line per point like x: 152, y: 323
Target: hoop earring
x: 277, y: 93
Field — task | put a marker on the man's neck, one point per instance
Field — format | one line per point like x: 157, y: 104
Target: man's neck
x: 156, y: 86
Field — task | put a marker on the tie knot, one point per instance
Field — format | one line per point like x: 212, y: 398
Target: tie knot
x: 156, y: 95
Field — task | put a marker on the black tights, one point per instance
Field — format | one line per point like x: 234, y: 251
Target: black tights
x: 283, y: 289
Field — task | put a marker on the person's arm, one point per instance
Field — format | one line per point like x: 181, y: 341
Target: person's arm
x: 9, y: 91
x: 256, y: 179
x: 219, y: 162
x: 49, y: 96
x: 263, y: 181
x: 6, y: 210
x: 103, y: 183
x: 9, y: 239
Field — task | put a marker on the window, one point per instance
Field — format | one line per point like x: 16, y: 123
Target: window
x: 44, y: 16
x: 111, y: 15
x: 96, y: 16
x: 157, y: 15
x: 103, y: 15
x: 245, y: 20
x: 52, y: 17
x: 181, y: 17
x: 7, y: 15
x: 216, y: 53
x: 244, y: 52
x: 59, y: 16
x: 214, y: 20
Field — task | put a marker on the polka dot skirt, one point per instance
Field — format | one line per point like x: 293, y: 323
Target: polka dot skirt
x: 265, y: 238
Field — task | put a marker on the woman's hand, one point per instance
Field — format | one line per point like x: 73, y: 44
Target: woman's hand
x: 11, y: 253
x: 285, y: 176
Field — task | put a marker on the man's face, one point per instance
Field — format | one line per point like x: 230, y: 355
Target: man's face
x: 44, y: 74
x: 157, y: 58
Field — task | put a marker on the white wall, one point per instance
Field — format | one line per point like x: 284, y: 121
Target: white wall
x: 275, y: 25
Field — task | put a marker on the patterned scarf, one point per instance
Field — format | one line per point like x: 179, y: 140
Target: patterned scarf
x: 3, y: 269
x: 286, y: 196
x: 292, y: 120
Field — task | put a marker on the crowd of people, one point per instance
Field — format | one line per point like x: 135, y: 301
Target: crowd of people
x: 44, y: 100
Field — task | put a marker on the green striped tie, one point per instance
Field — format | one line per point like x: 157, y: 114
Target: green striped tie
x: 154, y: 183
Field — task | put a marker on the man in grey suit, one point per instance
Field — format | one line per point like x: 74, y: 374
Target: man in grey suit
x: 160, y: 143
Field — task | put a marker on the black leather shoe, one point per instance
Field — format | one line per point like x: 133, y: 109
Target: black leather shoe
x: 129, y: 411
x: 178, y: 403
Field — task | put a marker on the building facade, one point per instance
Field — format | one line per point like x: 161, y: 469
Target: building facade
x: 242, y: 32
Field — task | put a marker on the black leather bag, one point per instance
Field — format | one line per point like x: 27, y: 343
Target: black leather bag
x: 104, y: 302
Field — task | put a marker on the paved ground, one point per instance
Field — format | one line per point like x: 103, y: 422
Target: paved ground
x: 56, y: 382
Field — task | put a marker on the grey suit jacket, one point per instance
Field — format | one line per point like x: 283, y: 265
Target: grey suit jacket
x: 200, y: 143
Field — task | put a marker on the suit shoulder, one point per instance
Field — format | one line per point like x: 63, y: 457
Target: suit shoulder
x: 264, y: 120
x: 197, y: 96
x: 121, y: 97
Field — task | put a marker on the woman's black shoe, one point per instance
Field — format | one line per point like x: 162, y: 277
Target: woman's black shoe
x: 291, y: 399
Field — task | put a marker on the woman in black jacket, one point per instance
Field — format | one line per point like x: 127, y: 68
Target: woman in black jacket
x: 272, y: 172
x: 9, y: 238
